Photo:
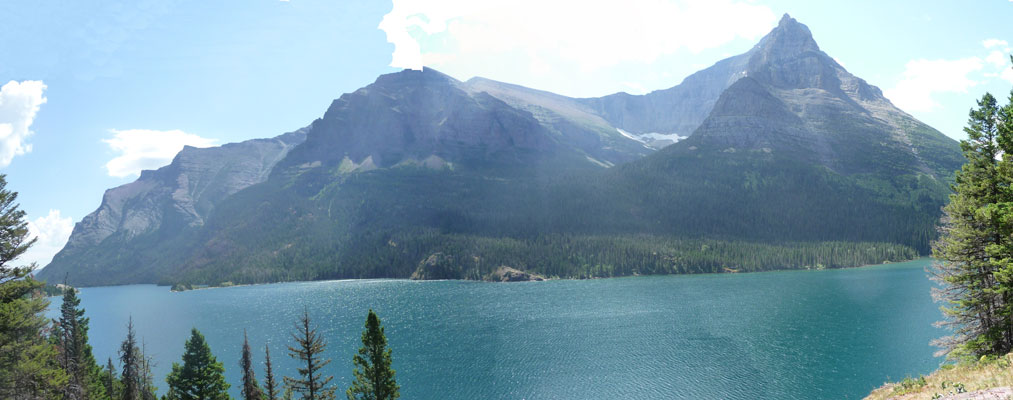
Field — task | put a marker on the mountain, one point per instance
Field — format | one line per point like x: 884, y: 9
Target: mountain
x: 790, y: 162
x: 797, y: 149
x: 134, y: 218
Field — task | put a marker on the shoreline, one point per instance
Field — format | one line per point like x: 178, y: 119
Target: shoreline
x: 546, y: 279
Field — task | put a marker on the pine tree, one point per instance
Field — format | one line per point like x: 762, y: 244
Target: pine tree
x: 974, y: 242
x: 374, y: 377
x: 270, y: 384
x: 29, y: 367
x: 1003, y: 253
x: 110, y: 381
x: 309, y: 350
x: 201, y: 377
x: 130, y: 357
x: 71, y: 335
x: 251, y: 389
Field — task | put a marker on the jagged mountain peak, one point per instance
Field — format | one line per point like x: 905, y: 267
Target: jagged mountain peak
x: 789, y: 39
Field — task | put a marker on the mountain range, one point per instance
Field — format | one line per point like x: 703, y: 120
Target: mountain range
x: 774, y: 158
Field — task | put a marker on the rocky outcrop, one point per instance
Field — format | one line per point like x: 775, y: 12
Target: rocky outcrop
x: 508, y: 274
x: 437, y: 266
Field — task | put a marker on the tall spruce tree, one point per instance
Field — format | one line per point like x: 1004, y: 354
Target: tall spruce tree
x: 130, y: 357
x: 110, y: 381
x: 70, y: 332
x: 270, y: 383
x: 374, y: 377
x: 974, y: 246
x: 251, y: 389
x: 201, y: 377
x: 309, y: 349
x: 29, y: 367
x: 1003, y: 253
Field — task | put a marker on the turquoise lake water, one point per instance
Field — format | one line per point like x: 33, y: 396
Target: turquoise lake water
x: 776, y: 335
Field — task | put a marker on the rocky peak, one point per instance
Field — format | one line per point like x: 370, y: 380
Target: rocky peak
x: 411, y: 115
x: 789, y: 39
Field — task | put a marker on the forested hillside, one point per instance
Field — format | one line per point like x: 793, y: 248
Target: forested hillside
x: 797, y: 164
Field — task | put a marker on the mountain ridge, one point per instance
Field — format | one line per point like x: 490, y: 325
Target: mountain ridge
x: 419, y: 163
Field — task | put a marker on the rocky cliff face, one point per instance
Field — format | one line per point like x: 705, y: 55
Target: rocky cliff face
x: 173, y: 198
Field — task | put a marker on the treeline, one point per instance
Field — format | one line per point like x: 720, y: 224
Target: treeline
x: 558, y: 256
x: 753, y: 213
x: 54, y: 361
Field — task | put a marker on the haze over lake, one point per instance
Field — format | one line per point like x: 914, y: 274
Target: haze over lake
x: 774, y: 335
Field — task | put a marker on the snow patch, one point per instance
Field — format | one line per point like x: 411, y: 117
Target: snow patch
x: 654, y: 140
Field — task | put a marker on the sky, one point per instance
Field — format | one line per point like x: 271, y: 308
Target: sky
x: 93, y: 92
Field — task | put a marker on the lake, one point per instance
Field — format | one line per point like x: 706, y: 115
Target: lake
x: 774, y: 335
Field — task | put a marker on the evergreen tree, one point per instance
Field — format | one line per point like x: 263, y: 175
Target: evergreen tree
x: 975, y: 241
x: 110, y: 381
x: 270, y: 384
x: 201, y: 377
x: 374, y: 377
x: 251, y: 389
x: 130, y: 357
x: 309, y: 349
x: 1003, y: 253
x: 29, y: 367
x: 71, y: 335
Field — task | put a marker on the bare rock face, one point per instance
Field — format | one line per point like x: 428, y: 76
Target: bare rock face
x: 172, y: 198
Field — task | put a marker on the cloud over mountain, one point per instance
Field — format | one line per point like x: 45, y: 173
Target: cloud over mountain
x: 141, y: 149
x: 19, y: 103
x: 535, y: 42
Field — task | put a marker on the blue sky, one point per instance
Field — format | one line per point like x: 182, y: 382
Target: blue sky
x: 93, y: 91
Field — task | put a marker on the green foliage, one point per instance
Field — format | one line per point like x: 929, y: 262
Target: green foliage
x: 975, y: 249
x: 29, y: 367
x: 270, y: 383
x: 251, y: 389
x: 309, y: 349
x: 201, y: 377
x: 374, y: 377
x: 383, y: 223
x: 130, y: 358
x: 112, y: 384
x: 909, y: 385
x: 70, y: 333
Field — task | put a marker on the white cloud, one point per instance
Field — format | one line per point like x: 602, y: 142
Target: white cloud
x: 52, y: 232
x: 924, y: 78
x: 517, y: 39
x: 997, y: 59
x: 19, y: 102
x: 141, y: 149
x: 990, y: 43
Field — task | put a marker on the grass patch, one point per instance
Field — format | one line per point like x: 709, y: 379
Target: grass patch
x: 951, y: 379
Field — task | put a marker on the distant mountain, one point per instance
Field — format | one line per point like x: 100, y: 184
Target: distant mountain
x: 790, y: 162
x: 113, y: 243
x: 798, y: 149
